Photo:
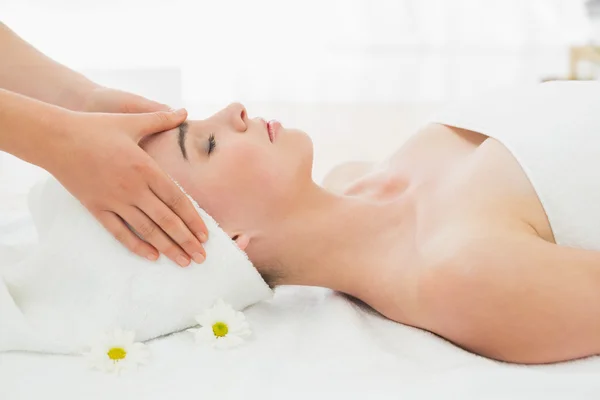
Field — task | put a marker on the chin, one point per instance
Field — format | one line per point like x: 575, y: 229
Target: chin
x: 304, y: 150
x: 300, y: 139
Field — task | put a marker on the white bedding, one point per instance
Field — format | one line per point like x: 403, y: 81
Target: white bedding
x: 306, y: 342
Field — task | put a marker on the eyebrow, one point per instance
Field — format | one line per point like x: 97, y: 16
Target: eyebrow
x: 183, y: 128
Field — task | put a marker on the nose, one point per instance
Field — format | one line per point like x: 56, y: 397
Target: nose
x: 237, y: 116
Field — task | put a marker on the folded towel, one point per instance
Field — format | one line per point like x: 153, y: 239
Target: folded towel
x: 79, y: 281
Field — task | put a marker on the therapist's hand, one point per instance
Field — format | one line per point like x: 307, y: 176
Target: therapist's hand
x: 97, y: 158
x: 107, y: 100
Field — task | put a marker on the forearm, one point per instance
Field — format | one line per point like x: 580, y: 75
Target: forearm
x: 30, y: 129
x: 25, y: 70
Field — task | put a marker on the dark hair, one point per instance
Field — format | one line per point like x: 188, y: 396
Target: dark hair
x: 272, y: 274
x: 361, y: 305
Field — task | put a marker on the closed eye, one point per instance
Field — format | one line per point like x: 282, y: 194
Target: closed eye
x: 211, y: 143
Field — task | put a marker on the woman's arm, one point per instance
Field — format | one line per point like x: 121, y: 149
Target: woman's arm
x: 518, y: 299
x: 30, y: 129
x: 97, y: 158
x: 25, y: 70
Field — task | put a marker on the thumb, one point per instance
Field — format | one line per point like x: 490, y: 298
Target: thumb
x: 158, y: 121
x: 143, y: 105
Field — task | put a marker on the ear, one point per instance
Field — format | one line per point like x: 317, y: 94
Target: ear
x: 241, y: 240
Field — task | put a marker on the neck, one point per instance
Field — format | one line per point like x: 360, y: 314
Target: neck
x: 331, y: 241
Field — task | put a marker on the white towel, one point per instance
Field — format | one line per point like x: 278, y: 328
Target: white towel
x: 553, y: 131
x: 79, y: 281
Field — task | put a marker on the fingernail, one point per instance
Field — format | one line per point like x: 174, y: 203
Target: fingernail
x: 181, y: 111
x: 202, y: 237
x: 198, y: 258
x: 183, y: 261
x: 152, y: 257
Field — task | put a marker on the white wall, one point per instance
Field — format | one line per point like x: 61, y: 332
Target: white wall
x: 312, y: 50
x: 374, y: 62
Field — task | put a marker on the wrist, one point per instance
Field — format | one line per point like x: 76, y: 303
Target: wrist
x: 31, y: 129
x: 56, y: 127
x: 76, y: 96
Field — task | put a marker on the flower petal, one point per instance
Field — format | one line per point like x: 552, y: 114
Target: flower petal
x: 205, y: 335
x: 228, y: 342
x: 239, y: 326
x: 220, y: 303
x: 116, y: 335
x: 240, y: 315
x: 243, y: 333
x: 120, y: 338
x: 96, y: 358
x: 205, y: 319
x: 108, y: 365
x: 129, y: 337
x: 135, y: 353
x: 223, y: 310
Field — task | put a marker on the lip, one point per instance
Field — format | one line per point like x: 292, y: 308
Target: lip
x: 273, y: 127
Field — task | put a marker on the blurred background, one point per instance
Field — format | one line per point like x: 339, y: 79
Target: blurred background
x: 358, y: 75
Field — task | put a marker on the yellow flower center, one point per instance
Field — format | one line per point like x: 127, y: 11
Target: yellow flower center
x: 116, y: 353
x: 220, y: 329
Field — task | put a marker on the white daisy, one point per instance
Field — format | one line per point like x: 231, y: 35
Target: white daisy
x: 116, y: 351
x: 221, y: 326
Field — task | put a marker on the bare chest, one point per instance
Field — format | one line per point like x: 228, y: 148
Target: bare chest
x: 462, y: 185
x: 456, y: 177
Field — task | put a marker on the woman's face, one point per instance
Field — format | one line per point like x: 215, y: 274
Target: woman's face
x: 243, y: 176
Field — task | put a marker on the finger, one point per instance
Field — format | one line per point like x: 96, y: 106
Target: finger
x: 174, y: 198
x: 152, y: 233
x: 174, y: 227
x: 141, y: 104
x: 160, y: 121
x: 115, y: 225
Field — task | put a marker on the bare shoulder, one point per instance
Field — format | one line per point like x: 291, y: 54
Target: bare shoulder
x: 455, y: 284
x: 341, y: 176
x: 515, y: 297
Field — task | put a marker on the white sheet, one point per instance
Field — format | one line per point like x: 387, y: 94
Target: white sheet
x: 306, y: 342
